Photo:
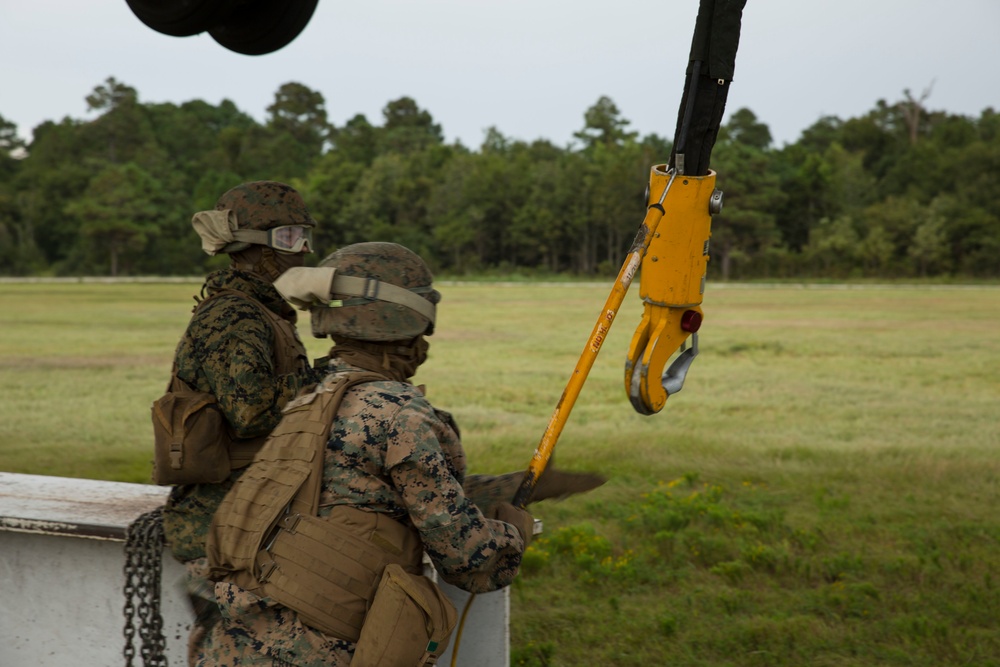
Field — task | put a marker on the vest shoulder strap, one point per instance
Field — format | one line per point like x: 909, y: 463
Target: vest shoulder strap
x: 309, y: 419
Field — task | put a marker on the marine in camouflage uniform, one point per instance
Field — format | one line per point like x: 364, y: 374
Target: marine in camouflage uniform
x: 389, y: 451
x: 229, y: 350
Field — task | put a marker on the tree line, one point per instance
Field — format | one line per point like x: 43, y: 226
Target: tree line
x: 902, y: 191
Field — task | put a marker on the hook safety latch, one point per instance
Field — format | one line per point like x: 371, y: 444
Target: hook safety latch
x: 673, y: 378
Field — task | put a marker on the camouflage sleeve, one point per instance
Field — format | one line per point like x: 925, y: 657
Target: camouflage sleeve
x: 239, y: 368
x: 487, y: 491
x: 470, y: 551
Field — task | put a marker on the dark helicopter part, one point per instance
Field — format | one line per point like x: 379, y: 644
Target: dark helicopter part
x: 263, y: 26
x: 181, y: 18
x: 250, y: 27
x: 709, y: 73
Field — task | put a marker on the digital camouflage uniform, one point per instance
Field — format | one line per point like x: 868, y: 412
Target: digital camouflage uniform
x: 389, y: 451
x: 227, y: 351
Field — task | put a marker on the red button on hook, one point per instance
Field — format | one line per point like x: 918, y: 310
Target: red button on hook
x: 691, y: 321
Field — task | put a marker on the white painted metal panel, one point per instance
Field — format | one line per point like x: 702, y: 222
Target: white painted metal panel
x: 61, y: 578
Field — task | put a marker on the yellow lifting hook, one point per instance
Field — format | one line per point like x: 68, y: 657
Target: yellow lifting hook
x: 671, y: 246
x: 671, y: 285
x: 683, y: 234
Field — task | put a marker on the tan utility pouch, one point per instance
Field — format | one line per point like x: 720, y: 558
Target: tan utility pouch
x: 190, y: 437
x: 409, y: 623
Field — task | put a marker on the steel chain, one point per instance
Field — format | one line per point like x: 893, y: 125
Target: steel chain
x: 143, y: 569
x: 130, y: 568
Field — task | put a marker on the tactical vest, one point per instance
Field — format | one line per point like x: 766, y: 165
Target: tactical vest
x: 289, y: 357
x: 266, y: 536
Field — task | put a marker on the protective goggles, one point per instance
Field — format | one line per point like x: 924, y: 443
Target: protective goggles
x: 289, y: 238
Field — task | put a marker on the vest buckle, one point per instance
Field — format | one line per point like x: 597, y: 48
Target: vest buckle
x: 289, y: 522
x: 267, y: 566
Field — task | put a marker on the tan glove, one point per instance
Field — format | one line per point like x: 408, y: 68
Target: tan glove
x: 520, y: 519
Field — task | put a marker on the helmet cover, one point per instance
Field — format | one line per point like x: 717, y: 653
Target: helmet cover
x: 371, y: 319
x: 263, y: 205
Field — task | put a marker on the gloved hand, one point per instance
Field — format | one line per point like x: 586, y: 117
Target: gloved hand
x: 519, y: 518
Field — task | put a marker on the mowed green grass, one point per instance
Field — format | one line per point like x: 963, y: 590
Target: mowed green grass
x: 822, y: 492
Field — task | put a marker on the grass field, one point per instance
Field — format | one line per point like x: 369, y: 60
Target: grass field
x: 823, y: 492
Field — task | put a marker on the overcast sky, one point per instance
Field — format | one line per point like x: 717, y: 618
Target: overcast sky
x: 529, y: 67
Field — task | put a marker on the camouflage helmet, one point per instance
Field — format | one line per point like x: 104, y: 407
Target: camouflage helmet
x: 263, y: 205
x: 381, y: 292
